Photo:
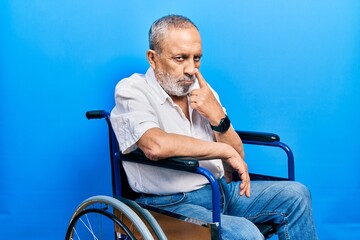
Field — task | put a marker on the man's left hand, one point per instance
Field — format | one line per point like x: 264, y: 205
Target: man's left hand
x: 204, y: 101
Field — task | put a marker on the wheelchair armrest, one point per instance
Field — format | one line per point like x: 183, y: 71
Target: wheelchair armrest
x: 258, y: 136
x: 177, y: 163
x: 272, y: 140
x: 97, y: 114
x: 262, y: 177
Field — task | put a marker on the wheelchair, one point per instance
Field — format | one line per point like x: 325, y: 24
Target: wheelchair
x: 120, y: 217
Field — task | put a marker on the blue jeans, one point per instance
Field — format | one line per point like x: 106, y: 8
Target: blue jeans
x: 286, y: 204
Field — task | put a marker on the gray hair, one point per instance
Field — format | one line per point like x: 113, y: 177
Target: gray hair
x: 161, y: 26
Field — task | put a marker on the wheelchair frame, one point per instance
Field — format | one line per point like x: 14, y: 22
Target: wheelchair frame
x: 122, y: 191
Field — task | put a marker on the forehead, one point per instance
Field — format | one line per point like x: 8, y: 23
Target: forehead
x: 185, y: 40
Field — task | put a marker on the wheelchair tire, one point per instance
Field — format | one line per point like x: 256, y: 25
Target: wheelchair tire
x: 94, y: 218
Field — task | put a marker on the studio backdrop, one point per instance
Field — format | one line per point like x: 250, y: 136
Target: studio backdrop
x: 288, y: 67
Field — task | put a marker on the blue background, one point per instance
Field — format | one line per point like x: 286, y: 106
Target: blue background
x: 286, y: 66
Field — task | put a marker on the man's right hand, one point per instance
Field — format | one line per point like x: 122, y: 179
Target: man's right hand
x: 236, y: 163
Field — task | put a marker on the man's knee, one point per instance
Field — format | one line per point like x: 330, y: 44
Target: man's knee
x: 299, y: 195
x: 300, y: 190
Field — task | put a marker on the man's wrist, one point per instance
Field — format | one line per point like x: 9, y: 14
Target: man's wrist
x: 215, y: 120
x: 223, y: 125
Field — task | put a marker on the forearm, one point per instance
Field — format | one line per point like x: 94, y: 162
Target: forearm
x: 157, y: 144
x: 232, y: 138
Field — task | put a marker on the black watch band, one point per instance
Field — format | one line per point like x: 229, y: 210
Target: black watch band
x: 223, y: 126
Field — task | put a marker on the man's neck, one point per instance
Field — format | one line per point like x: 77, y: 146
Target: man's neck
x: 182, y: 102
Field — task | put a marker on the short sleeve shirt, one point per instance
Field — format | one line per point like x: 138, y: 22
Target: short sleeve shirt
x: 142, y: 104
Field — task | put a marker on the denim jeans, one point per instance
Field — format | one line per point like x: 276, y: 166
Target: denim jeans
x: 286, y: 204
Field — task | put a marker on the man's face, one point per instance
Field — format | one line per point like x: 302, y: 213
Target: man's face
x: 175, y: 65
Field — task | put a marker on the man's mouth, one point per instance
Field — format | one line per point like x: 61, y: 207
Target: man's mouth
x: 186, y: 81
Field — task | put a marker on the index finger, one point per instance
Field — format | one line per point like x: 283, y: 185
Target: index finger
x: 200, y: 78
x: 245, y: 184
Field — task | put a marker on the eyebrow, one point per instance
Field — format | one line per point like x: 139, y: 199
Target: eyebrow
x: 186, y: 55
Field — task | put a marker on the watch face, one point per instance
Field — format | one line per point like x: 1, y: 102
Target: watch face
x: 225, y: 124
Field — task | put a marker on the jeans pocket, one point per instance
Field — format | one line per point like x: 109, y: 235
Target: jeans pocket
x: 162, y: 201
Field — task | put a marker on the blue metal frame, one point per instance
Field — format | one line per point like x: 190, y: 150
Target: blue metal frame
x: 115, y: 157
x: 114, y: 151
x: 215, y: 196
x: 287, y: 150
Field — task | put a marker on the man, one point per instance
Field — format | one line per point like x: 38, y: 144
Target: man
x: 172, y: 111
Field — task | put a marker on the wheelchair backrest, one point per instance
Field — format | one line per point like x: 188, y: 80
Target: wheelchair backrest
x: 120, y: 185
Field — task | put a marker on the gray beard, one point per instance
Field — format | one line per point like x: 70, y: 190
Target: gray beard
x: 172, y: 85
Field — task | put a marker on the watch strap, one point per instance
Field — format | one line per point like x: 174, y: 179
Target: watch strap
x: 223, y: 126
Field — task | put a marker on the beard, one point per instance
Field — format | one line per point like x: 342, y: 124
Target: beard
x: 175, y: 86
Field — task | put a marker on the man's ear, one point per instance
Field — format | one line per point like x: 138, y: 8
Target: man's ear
x: 151, y: 56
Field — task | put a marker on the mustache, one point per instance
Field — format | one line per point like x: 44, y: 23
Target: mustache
x: 187, y: 78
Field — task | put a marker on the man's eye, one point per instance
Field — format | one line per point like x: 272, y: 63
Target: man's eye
x: 197, y: 59
x: 179, y: 58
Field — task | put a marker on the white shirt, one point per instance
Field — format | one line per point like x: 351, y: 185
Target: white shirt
x: 141, y: 104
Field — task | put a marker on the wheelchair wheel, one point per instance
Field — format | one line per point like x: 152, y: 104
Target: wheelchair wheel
x: 102, y: 217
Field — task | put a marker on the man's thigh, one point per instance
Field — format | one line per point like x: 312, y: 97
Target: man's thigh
x: 268, y: 199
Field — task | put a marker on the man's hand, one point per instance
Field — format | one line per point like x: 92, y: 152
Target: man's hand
x: 235, y: 164
x: 204, y: 101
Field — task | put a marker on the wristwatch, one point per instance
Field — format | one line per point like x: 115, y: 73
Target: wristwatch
x: 223, y: 125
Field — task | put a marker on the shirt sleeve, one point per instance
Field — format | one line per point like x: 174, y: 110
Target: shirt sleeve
x: 133, y: 114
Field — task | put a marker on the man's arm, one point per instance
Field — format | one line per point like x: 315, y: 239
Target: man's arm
x: 204, y: 101
x: 157, y: 144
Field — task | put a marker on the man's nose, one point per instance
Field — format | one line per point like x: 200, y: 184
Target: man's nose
x: 190, y: 67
